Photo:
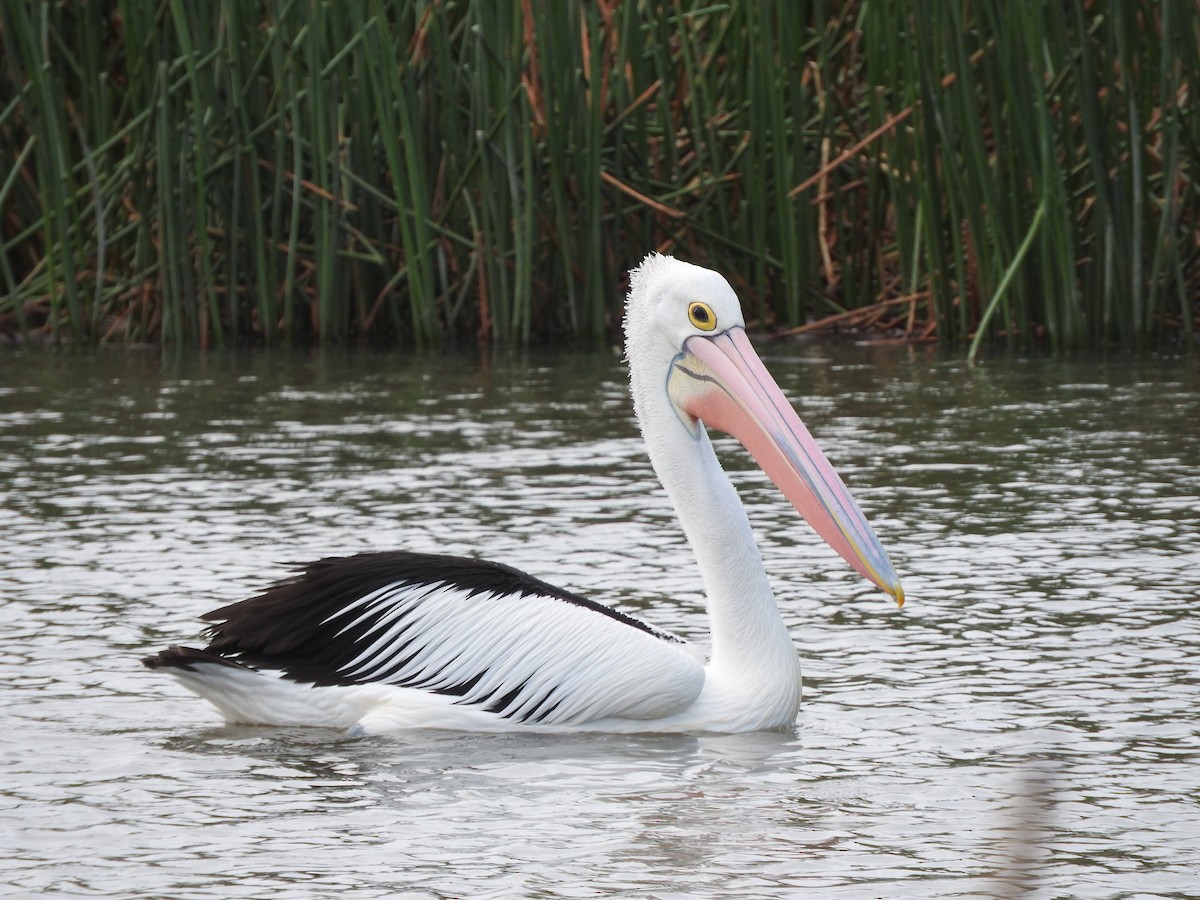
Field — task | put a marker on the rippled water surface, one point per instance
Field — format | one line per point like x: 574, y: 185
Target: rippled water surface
x: 1026, y: 725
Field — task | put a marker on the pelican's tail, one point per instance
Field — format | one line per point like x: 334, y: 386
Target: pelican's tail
x: 247, y: 696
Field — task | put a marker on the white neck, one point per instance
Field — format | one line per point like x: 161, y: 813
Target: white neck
x: 749, y: 638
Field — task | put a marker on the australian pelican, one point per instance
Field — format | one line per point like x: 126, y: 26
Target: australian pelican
x: 385, y: 641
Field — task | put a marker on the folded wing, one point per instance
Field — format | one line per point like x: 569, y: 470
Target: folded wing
x: 485, y: 634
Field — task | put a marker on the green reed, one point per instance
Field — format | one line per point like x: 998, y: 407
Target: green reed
x: 1050, y: 165
x: 423, y: 171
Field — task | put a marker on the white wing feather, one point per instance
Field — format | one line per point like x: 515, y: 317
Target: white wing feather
x: 528, y: 657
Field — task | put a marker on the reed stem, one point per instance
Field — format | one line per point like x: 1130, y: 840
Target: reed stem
x: 198, y: 173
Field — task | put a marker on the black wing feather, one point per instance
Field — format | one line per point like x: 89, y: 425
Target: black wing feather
x: 284, y: 626
x: 342, y: 621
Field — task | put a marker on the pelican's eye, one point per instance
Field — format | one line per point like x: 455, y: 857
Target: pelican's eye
x: 702, y: 316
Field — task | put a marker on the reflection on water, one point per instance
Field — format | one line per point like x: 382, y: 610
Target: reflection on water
x: 1028, y: 721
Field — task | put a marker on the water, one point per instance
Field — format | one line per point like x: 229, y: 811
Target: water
x: 1025, y: 726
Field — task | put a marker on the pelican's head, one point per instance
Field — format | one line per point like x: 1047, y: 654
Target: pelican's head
x: 685, y: 338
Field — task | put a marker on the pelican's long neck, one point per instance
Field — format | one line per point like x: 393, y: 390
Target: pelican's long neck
x: 748, y: 633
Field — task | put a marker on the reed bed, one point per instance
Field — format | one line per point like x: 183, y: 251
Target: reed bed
x: 221, y: 173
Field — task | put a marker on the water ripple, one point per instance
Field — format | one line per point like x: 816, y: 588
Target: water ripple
x: 1027, y: 722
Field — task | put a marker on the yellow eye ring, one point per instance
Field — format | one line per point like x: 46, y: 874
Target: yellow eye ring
x: 702, y: 316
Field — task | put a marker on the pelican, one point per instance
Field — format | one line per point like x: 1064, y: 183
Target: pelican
x: 381, y: 642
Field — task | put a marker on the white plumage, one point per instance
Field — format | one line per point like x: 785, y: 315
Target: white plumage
x: 388, y: 641
x: 471, y: 641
